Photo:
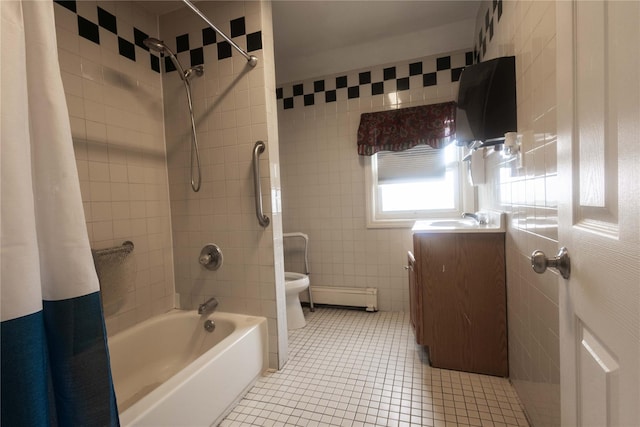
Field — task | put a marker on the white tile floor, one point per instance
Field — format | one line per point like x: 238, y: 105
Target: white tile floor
x: 353, y: 368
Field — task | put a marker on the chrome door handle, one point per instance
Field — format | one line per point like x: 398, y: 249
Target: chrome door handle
x: 561, y: 262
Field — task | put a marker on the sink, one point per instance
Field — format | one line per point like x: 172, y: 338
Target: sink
x: 461, y: 225
x: 452, y: 223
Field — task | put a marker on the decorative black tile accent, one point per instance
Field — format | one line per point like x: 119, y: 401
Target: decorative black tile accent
x: 491, y: 30
x: 88, y: 30
x: 389, y: 73
x: 402, y: 84
x: 197, y: 56
x: 224, y: 50
x: 415, y: 68
x: 330, y: 96
x: 377, y: 88
x: 208, y: 36
x: 318, y: 86
x: 237, y: 27
x: 168, y: 65
x: 486, y: 19
x: 364, y: 78
x: 155, y: 63
x: 298, y: 90
x: 468, y: 58
x: 279, y: 93
x: 495, y: 4
x: 182, y: 43
x: 107, y: 20
x: 353, y: 92
x: 70, y: 4
x: 443, y: 63
x: 455, y: 74
x: 288, y: 103
x: 254, y: 41
x: 480, y: 36
x: 499, y: 10
x: 139, y: 37
x: 126, y: 49
x: 341, y: 82
x: 484, y: 47
x: 309, y: 99
x: 429, y: 79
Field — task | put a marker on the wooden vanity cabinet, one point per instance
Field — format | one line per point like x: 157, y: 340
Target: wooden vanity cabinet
x: 458, y: 300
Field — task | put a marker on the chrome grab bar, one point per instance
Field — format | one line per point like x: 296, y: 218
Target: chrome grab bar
x: 257, y: 149
x: 126, y: 248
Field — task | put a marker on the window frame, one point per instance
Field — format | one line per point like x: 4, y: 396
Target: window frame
x: 465, y: 200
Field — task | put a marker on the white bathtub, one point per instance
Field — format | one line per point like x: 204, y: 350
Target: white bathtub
x: 169, y: 371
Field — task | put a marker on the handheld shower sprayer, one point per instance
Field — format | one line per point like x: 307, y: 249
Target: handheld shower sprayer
x: 185, y: 75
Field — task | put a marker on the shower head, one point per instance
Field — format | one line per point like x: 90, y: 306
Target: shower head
x: 157, y: 45
x: 160, y: 47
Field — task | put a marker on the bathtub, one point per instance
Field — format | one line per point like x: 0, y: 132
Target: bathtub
x: 169, y: 371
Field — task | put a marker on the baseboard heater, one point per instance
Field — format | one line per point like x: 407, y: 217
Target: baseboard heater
x: 366, y: 298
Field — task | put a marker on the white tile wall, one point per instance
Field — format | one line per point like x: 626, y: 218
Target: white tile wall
x: 323, y: 182
x: 527, y: 30
x: 234, y: 106
x: 115, y: 107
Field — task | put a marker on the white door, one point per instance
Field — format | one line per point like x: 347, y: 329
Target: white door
x: 599, y: 169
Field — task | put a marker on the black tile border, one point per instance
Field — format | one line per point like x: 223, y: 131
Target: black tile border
x: 107, y: 21
x: 488, y: 30
x: 429, y: 77
x: 90, y: 31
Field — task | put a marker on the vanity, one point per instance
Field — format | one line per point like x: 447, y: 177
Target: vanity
x: 457, y: 294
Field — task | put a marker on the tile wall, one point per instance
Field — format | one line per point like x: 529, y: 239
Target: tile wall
x: 234, y: 106
x: 323, y: 181
x: 527, y: 30
x: 113, y: 89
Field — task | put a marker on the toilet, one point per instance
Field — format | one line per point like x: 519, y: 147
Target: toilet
x: 295, y: 283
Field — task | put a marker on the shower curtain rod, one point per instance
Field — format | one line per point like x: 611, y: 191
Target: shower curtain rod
x: 252, y: 60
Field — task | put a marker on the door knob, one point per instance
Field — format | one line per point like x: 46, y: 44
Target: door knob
x: 561, y: 262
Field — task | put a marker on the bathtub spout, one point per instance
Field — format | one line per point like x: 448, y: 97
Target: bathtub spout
x: 208, y: 306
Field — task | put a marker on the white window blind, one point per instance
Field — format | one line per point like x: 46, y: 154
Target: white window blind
x: 420, y: 163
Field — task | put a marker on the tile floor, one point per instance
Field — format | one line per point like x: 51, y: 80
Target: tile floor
x: 353, y: 368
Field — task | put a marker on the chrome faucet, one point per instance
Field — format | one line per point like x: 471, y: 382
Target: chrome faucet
x: 480, y: 219
x: 208, y: 306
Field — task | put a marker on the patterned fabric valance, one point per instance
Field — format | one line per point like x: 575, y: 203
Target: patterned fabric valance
x: 398, y: 130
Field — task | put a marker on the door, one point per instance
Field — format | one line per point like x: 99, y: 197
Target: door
x: 415, y: 299
x: 598, y: 166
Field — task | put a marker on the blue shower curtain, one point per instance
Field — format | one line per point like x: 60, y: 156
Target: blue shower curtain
x: 54, y: 358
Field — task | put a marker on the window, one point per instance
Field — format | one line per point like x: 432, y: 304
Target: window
x: 418, y: 183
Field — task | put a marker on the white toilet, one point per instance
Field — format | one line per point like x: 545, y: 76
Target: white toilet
x: 294, y: 284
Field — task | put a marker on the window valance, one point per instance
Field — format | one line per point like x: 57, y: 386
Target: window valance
x: 398, y: 130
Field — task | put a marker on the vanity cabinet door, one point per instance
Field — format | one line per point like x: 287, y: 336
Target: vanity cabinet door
x: 462, y: 277
x: 415, y: 300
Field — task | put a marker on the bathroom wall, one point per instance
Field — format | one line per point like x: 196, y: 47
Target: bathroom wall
x: 113, y: 90
x: 323, y: 178
x: 235, y: 106
x: 527, y: 30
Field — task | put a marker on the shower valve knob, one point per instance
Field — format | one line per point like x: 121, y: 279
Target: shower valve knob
x: 211, y: 257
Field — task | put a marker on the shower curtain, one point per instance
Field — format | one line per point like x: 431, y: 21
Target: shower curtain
x: 53, y: 357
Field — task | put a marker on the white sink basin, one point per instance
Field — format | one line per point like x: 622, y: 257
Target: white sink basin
x: 461, y: 225
x: 452, y: 223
